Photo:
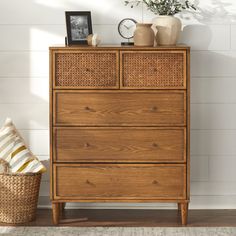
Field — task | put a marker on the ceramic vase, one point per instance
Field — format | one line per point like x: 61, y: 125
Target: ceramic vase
x: 144, y: 35
x: 167, y: 29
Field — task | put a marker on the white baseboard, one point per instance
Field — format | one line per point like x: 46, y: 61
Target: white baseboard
x: 197, y: 202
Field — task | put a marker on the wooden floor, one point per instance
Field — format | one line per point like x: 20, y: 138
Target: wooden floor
x: 138, y: 218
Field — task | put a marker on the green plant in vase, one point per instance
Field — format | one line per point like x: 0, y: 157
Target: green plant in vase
x: 168, y: 26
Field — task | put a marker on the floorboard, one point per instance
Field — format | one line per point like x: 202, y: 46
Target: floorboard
x: 136, y: 218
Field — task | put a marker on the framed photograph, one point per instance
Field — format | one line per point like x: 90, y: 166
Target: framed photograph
x: 79, y: 26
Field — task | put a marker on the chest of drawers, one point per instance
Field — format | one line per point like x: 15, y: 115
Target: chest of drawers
x: 119, y: 125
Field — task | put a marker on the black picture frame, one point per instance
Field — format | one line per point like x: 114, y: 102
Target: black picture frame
x: 78, y: 26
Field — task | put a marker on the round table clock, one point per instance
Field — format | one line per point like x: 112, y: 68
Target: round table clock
x: 126, y: 30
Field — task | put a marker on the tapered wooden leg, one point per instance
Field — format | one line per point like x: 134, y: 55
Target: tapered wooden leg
x: 179, y: 207
x: 184, y: 213
x: 55, y: 213
x: 62, y: 206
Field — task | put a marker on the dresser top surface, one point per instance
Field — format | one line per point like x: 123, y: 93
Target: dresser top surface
x: 118, y: 47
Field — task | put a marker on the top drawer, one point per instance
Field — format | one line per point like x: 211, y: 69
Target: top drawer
x: 153, y: 70
x: 86, y: 69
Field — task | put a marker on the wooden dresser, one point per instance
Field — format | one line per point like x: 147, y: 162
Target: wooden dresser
x: 119, y: 123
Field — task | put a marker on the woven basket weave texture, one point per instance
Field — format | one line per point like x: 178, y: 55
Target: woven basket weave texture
x: 96, y: 70
x: 18, y: 197
x: 161, y: 70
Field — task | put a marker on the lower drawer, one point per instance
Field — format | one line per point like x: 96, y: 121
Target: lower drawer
x: 118, y: 182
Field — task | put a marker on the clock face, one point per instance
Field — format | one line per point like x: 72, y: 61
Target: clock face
x: 127, y: 27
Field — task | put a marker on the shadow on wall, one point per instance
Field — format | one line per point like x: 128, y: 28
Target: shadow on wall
x: 212, y: 12
x: 197, y: 33
x: 192, y: 34
x: 221, y: 11
x: 26, y: 62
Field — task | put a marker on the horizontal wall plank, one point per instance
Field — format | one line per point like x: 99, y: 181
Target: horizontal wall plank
x: 213, y: 63
x: 26, y: 116
x: 31, y: 37
x: 44, y: 188
x: 233, y: 37
x: 213, y: 37
x: 46, y: 162
x: 52, y: 12
x: 213, y: 188
x: 37, y: 140
x: 213, y: 142
x: 41, y: 37
x: 24, y: 64
x: 25, y: 90
x: 213, y: 202
x: 222, y: 169
x: 199, y: 168
x: 213, y: 116
x: 213, y: 90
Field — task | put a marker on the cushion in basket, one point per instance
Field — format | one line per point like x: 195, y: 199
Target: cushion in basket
x: 14, y: 150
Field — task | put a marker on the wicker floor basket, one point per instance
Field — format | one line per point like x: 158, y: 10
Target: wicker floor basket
x: 18, y: 196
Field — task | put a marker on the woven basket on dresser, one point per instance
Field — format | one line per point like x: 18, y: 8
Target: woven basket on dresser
x: 18, y: 196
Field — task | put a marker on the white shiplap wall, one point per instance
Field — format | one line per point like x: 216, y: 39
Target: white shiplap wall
x: 29, y: 27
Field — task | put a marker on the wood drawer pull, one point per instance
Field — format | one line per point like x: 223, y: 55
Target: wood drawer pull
x: 88, y: 182
x: 86, y: 145
x: 87, y: 109
x: 155, y: 182
x: 155, y: 145
x: 153, y: 109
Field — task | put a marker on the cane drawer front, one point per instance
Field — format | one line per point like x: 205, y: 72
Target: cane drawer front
x: 137, y: 145
x: 86, y: 69
x: 113, y: 181
x: 120, y: 108
x: 153, y: 70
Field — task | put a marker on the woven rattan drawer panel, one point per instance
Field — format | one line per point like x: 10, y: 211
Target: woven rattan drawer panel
x: 148, y: 70
x: 87, y: 70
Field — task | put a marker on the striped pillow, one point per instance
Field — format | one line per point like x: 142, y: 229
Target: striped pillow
x: 14, y: 150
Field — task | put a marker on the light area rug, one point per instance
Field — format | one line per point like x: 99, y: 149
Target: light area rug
x: 117, y: 231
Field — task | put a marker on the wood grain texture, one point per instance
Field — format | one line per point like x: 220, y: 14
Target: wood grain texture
x: 126, y: 144
x: 77, y: 108
x: 184, y: 213
x: 55, y: 213
x: 111, y: 181
x: 119, y: 145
